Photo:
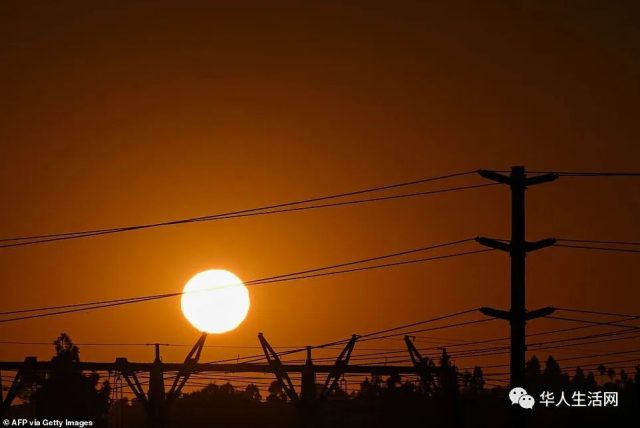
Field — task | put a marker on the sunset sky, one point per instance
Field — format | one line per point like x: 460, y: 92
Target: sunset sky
x: 113, y: 115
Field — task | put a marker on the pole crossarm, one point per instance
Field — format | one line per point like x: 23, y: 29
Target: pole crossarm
x: 516, y: 178
x: 506, y: 315
x: 539, y: 313
x: 495, y: 313
x: 494, y: 176
x: 493, y: 243
x: 507, y: 247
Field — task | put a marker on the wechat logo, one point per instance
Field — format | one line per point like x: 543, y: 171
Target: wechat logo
x: 519, y: 396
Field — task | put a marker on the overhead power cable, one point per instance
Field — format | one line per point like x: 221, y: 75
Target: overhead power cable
x: 268, y: 209
x: 585, y: 311
x: 388, y: 336
x: 336, y: 204
x: 593, y: 241
x: 536, y: 347
x: 604, y: 323
x: 594, y: 365
x: 540, y: 333
x: 570, y: 339
x: 253, y: 282
x: 371, y: 335
x: 590, y: 247
x: 582, y: 357
x: 80, y: 307
x: 588, y: 173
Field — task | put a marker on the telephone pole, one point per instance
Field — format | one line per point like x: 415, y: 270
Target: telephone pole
x: 517, y: 247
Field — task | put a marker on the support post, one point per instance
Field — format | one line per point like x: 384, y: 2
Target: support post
x: 517, y: 247
x: 156, y: 401
x: 308, y: 407
x: 122, y: 365
x: 187, y: 368
x: 424, y: 366
x: 17, y: 384
x: 338, y: 368
x: 308, y: 388
x: 156, y: 394
x: 278, y: 370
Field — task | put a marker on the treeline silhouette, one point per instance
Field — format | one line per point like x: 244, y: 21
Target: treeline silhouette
x: 446, y: 398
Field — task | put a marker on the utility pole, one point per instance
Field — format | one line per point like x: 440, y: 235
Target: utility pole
x: 517, y: 247
x: 156, y: 401
x: 309, y: 401
x: 157, y: 411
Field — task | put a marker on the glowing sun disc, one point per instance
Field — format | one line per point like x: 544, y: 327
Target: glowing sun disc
x: 215, y: 301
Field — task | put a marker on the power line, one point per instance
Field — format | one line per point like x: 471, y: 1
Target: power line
x: 483, y: 320
x: 585, y: 311
x: 588, y: 173
x: 580, y: 327
x: 404, y: 327
x: 613, y: 324
x: 372, y: 335
x: 93, y: 303
x: 382, y: 266
x: 252, y: 214
x: 496, y: 366
x: 177, y: 345
x: 499, y: 339
x: 538, y: 346
x: 455, y: 314
x: 68, y: 311
x: 541, y: 333
x: 82, y: 307
x: 301, y: 274
x: 589, y: 247
x: 387, y: 351
x: 599, y: 355
x: 256, y: 281
x: 592, y: 336
x: 593, y: 241
x: 268, y: 209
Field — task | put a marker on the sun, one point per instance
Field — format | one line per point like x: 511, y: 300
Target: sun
x: 215, y: 301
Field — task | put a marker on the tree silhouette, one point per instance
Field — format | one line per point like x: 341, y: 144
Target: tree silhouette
x: 579, y: 381
x: 65, y: 392
x: 383, y: 402
x: 602, y: 370
x: 473, y: 381
x: 591, y: 383
x: 624, y: 376
x: 276, y: 392
x: 371, y: 389
x: 552, y: 376
x: 252, y: 392
x: 533, y: 373
x: 532, y: 369
x: 393, y: 382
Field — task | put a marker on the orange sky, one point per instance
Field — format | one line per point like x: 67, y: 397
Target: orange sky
x: 117, y: 115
